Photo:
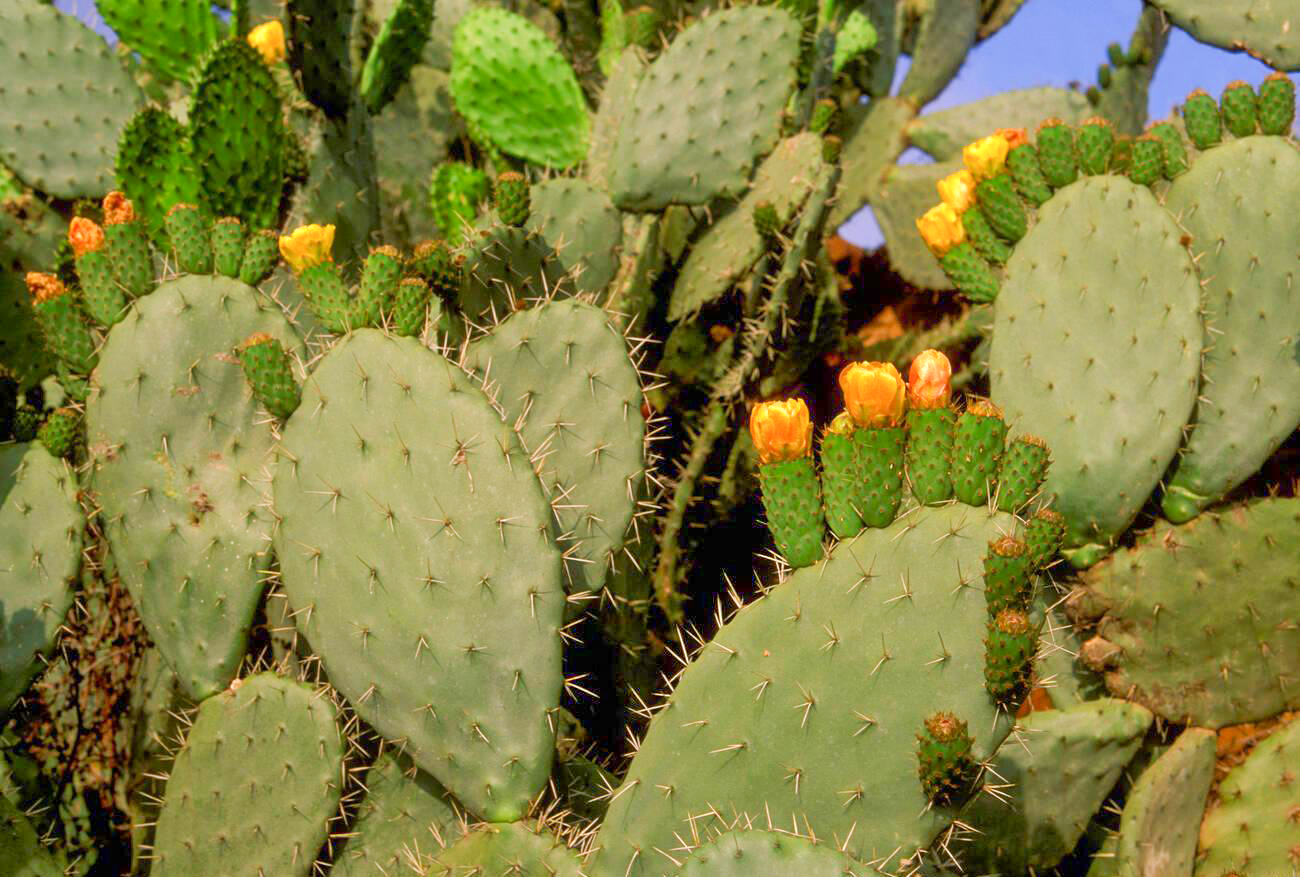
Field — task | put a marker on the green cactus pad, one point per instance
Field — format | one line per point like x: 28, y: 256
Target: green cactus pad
x: 1096, y: 145
x: 847, y: 659
x: 1083, y: 749
x: 61, y: 432
x: 1162, y: 816
x: 978, y: 442
x: 728, y: 249
x: 154, y: 167
x: 190, y: 233
x: 1147, y: 161
x: 513, y: 86
x: 767, y: 854
x: 506, y: 268
x: 1265, y: 30
x: 906, y: 192
x: 255, y: 784
x: 578, y: 221
x: 1201, y: 612
x: 793, y: 503
x: 261, y: 252
x: 840, y: 485
x: 1201, y: 116
x: 405, y: 816
x: 1277, y: 104
x: 340, y: 186
x: 1000, y: 205
x: 435, y: 611
x: 62, y: 103
x: 970, y: 273
x: 1239, y: 107
x: 1252, y: 830
x: 411, y: 307
x: 102, y: 298
x: 40, y: 553
x: 686, y: 139
x: 1097, y: 333
x: 615, y: 103
x: 1249, y: 400
x: 929, y: 453
x: 518, y: 850
x: 237, y: 136
x: 396, y: 49
x: 318, y: 41
x: 266, y: 366
x: 1021, y: 472
x: 22, y: 849
x: 170, y: 35
x: 1058, y: 158
x: 510, y: 198
x: 180, y: 452
x: 562, y: 375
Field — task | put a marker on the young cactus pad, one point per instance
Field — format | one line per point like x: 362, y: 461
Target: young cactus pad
x: 181, y: 451
x: 436, y: 611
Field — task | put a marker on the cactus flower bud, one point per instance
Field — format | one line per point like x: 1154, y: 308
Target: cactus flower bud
x: 85, y: 235
x: 118, y: 209
x: 1014, y: 137
x: 781, y: 430
x: 44, y: 287
x: 985, y: 157
x: 929, y: 380
x: 941, y: 229
x: 957, y: 190
x: 874, y: 393
x: 268, y: 39
x: 307, y: 246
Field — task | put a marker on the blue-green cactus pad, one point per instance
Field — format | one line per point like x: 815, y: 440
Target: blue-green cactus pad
x: 170, y: 35
x: 768, y: 854
x: 1097, y: 341
x: 687, y: 139
x: 513, y: 85
x: 63, y: 100
x: 181, y: 452
x: 435, y: 610
x: 577, y: 220
x: 1267, y: 29
x: 40, y: 553
x: 517, y: 850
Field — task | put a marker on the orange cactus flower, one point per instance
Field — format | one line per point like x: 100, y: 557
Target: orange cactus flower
x: 1014, y: 137
x: 307, y: 246
x: 118, y: 209
x: 985, y: 157
x: 781, y: 430
x: 929, y: 380
x: 941, y: 229
x: 44, y: 287
x: 957, y: 190
x: 85, y: 235
x: 268, y: 39
x: 874, y: 393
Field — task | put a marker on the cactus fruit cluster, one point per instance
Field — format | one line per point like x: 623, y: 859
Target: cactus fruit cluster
x: 433, y: 441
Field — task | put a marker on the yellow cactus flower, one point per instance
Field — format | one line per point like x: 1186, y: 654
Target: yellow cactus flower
x: 929, y: 380
x: 781, y: 430
x: 118, y: 209
x: 268, y: 39
x: 957, y: 190
x: 1014, y: 137
x: 308, y: 245
x: 85, y: 235
x: 985, y: 157
x: 941, y: 229
x: 44, y: 287
x: 874, y: 393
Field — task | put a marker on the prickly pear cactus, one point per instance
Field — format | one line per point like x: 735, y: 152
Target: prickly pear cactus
x: 254, y: 785
x: 754, y: 853
x: 521, y: 849
x: 381, y: 574
x: 181, y: 454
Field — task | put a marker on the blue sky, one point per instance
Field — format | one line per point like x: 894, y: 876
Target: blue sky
x: 1049, y: 42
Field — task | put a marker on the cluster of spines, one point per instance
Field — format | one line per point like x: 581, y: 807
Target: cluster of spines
x: 982, y: 216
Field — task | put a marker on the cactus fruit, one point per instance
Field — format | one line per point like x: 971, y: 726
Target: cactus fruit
x: 984, y: 238
x: 411, y: 307
x: 1008, y: 655
x: 473, y: 549
x: 283, y: 744
x: 1239, y: 107
x: 101, y: 296
x: 782, y: 434
x: 1008, y: 575
x: 1277, y: 104
x: 510, y: 198
x: 1023, y: 468
x: 380, y: 275
x: 62, y: 322
x: 227, y: 245
x: 977, y: 449
x: 1001, y: 207
x: 1147, y: 161
x: 840, y: 478
x: 261, y: 252
x: 944, y: 761
x: 1044, y: 535
x: 1199, y: 615
x: 874, y: 398
x: 1096, y: 146
x: 930, y: 424
x: 1201, y: 115
x: 266, y: 366
x: 191, y: 238
x: 455, y: 194
x: 27, y: 421
x: 128, y: 245
x: 1251, y: 829
x: 1027, y: 175
x: 60, y: 432
x: 1057, y: 156
x: 41, y: 527
x: 1171, y: 143
x: 970, y: 273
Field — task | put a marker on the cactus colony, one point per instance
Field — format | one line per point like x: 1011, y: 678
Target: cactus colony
x: 334, y: 531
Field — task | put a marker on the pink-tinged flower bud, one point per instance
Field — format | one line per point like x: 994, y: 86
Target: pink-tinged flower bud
x: 929, y: 380
x: 874, y: 393
x: 781, y: 430
x: 941, y: 229
x: 957, y: 190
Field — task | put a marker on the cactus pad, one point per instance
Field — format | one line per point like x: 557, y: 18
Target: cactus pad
x: 255, y: 783
x: 180, y: 451
x: 1230, y: 202
x: 1162, y: 816
x: 578, y: 221
x: 170, y: 35
x: 686, y: 139
x: 561, y: 373
x: 767, y: 854
x: 1097, y: 334
x: 1202, y: 615
x: 435, y: 611
x: 63, y: 101
x: 1266, y: 30
x: 154, y: 166
x: 518, y: 850
x: 515, y: 88
x: 40, y: 553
